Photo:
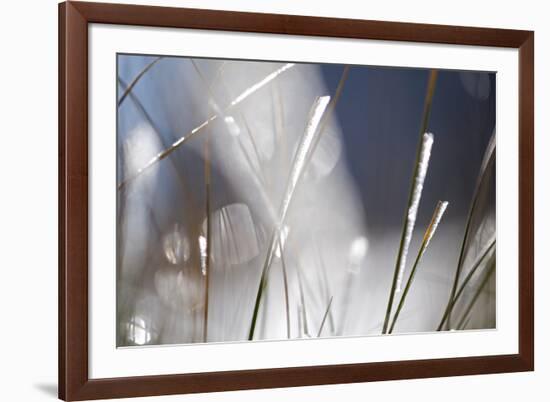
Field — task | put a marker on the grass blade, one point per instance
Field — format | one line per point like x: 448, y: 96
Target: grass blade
x: 208, y: 248
x: 302, y: 301
x: 474, y: 268
x: 314, y: 142
x: 190, y: 200
x: 164, y: 153
x: 253, y: 88
x: 229, y: 120
x: 331, y: 108
x: 285, y: 284
x: 297, y: 167
x: 412, y: 212
x: 423, y: 128
x: 465, y: 317
x: 430, y: 231
x: 136, y: 79
x: 488, y: 158
x: 324, y: 318
x: 348, y: 291
x: 326, y: 286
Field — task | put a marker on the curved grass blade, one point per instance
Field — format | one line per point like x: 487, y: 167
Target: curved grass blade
x: 330, y: 109
x: 472, y: 271
x: 297, y: 167
x: 488, y: 157
x: 465, y: 317
x: 136, y: 79
x: 322, y: 125
x: 189, y: 199
x: 229, y: 120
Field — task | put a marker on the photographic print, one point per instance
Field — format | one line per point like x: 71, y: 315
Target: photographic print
x: 261, y: 200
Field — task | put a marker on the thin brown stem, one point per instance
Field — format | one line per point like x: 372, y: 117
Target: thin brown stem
x: 137, y: 78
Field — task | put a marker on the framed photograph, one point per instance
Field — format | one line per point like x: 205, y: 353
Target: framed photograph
x: 259, y: 200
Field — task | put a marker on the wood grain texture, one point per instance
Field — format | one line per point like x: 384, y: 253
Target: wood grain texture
x: 526, y: 200
x: 74, y: 18
x: 73, y: 201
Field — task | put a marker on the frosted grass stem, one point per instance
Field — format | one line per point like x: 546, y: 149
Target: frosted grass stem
x: 330, y: 109
x: 423, y: 128
x: 297, y: 167
x: 428, y: 235
x: 412, y: 212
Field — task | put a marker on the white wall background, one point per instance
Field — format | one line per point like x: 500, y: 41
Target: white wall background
x: 28, y: 198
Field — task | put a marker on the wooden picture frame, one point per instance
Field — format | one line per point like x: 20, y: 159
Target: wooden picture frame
x: 74, y: 381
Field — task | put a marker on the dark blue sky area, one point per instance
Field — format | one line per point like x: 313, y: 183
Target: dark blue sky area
x: 380, y: 113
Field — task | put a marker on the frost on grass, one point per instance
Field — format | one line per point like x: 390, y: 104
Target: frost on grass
x: 420, y: 176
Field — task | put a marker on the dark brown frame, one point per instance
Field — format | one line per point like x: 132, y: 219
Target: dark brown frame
x: 74, y: 17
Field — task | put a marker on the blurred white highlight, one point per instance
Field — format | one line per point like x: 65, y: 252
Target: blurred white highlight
x: 357, y: 253
x: 283, y: 234
x: 232, y: 126
x: 137, y: 332
x: 202, y: 249
x: 176, y: 246
x: 233, y: 235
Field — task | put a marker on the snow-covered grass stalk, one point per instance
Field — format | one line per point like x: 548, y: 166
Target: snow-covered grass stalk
x: 304, y: 148
x: 253, y: 88
x: 428, y: 235
x: 415, y: 191
x: 412, y: 212
x: 296, y: 170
